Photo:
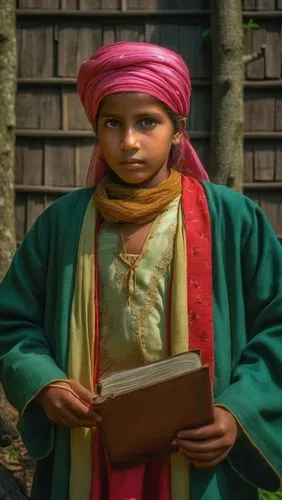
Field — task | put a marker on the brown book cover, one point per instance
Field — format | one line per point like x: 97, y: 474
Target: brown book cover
x: 143, y: 409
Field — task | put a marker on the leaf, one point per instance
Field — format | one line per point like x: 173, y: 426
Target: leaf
x: 250, y: 25
x: 11, y: 454
x: 265, y: 495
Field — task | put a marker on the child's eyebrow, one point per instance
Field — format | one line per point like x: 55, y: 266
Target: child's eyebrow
x: 151, y: 114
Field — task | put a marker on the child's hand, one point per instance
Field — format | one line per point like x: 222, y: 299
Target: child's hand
x: 210, y: 445
x: 69, y: 406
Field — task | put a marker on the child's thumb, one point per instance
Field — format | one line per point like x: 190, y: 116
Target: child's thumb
x: 81, y: 391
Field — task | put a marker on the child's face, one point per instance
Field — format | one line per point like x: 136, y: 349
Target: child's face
x: 135, y: 135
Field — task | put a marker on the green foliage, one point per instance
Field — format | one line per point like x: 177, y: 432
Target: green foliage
x: 264, y: 495
x: 11, y: 454
x: 250, y: 25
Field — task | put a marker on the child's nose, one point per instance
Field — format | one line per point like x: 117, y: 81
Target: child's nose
x: 130, y: 139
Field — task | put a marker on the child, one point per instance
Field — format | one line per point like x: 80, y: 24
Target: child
x: 153, y: 262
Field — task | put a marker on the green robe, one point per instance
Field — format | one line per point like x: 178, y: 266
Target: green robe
x: 35, y: 305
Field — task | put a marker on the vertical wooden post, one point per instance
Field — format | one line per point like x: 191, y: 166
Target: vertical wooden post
x: 228, y: 77
x: 7, y: 131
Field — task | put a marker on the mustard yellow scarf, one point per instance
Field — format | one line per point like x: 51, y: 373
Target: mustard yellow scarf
x: 117, y: 203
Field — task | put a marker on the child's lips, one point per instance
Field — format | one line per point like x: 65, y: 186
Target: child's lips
x: 132, y: 162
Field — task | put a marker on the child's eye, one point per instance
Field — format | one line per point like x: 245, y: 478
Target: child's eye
x: 112, y: 123
x: 148, y: 123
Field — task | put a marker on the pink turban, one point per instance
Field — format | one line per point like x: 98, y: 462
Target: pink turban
x: 138, y: 67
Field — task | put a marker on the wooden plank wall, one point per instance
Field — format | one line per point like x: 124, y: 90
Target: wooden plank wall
x: 54, y: 139
x: 263, y: 112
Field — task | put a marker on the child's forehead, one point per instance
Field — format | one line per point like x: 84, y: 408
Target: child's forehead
x: 126, y: 101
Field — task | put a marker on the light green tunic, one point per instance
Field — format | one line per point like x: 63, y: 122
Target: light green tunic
x: 134, y: 294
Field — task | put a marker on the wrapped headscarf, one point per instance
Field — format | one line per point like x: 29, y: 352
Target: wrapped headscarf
x: 138, y: 67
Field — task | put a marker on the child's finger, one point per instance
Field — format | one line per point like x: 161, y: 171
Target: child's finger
x: 202, y: 433
x: 202, y: 446
x: 201, y: 457
x: 81, y: 391
x: 68, y: 419
x: 210, y: 464
x: 78, y: 409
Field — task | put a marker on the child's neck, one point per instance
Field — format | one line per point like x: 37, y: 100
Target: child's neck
x: 155, y: 181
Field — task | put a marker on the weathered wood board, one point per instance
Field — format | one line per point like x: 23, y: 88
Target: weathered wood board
x: 55, y: 46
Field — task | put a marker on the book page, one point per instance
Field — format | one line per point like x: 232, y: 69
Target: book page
x: 128, y: 380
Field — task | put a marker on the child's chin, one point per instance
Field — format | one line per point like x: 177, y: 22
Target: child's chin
x: 133, y: 179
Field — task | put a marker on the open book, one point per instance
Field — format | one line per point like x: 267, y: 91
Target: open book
x: 142, y: 409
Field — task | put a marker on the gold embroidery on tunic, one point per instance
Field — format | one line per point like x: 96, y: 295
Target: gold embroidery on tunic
x: 132, y: 262
x: 132, y: 348
x: 150, y: 299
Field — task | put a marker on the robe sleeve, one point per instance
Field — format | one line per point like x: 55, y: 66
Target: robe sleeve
x: 26, y: 360
x: 254, y: 396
